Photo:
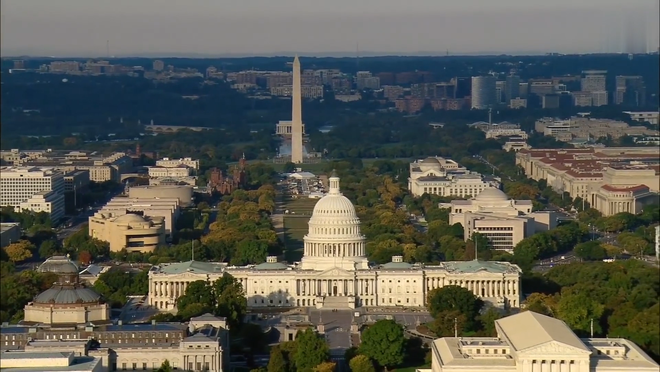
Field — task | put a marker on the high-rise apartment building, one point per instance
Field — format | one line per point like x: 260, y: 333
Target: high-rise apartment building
x: 595, y: 82
x: 512, y: 88
x: 463, y: 87
x: 630, y: 91
x: 483, y: 92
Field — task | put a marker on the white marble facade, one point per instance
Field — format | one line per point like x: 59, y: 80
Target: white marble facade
x: 335, y: 273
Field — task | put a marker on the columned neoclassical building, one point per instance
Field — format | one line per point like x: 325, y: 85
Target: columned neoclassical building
x: 531, y: 342
x: 335, y: 273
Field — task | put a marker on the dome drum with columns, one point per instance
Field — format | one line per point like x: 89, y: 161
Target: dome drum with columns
x: 68, y: 300
x: 334, y: 238
x: 335, y: 273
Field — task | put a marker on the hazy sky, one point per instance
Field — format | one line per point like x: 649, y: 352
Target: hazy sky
x: 81, y: 27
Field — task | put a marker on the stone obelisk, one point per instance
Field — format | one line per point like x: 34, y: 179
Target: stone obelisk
x: 296, y: 116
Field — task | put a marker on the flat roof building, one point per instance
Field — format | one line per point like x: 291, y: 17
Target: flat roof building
x: 10, y: 232
x: 445, y: 177
x: 583, y: 172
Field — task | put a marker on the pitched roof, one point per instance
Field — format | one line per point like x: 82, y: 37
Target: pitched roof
x: 529, y: 329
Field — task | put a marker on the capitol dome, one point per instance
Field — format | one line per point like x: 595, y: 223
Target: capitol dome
x: 492, y: 194
x: 334, y: 232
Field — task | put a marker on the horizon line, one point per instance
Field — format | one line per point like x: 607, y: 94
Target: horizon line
x: 363, y: 54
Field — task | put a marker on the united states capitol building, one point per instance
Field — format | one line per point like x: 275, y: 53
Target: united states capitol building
x: 335, y: 273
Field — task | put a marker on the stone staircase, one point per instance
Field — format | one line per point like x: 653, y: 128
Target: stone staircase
x: 338, y: 303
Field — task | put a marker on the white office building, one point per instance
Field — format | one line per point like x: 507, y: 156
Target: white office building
x: 504, y: 222
x: 445, y: 177
x: 18, y: 185
x: 173, y: 163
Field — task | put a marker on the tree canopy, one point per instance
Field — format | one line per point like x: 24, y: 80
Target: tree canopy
x: 384, y: 342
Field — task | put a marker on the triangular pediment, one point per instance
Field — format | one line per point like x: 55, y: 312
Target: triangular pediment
x: 555, y: 348
x: 335, y: 272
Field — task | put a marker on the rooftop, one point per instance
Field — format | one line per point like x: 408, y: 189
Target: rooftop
x: 190, y: 266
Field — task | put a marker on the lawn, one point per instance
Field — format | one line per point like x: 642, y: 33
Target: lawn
x: 295, y: 225
x: 295, y: 228
x: 300, y: 206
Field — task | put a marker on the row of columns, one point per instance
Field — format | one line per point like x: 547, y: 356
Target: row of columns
x: 556, y: 366
x: 335, y: 287
x: 481, y: 288
x: 334, y: 249
x: 167, y: 289
x: 618, y: 207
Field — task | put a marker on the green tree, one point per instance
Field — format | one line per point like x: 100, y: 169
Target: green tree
x: 289, y: 167
x: 277, y: 361
x: 488, y: 319
x: 453, y: 297
x: 311, y: 350
x: 19, y: 251
x: 326, y: 367
x: 48, y: 248
x: 578, y: 310
x: 165, y: 367
x: 361, y: 363
x: 384, y: 342
x: 231, y: 301
x: 197, y: 292
x: 590, y: 251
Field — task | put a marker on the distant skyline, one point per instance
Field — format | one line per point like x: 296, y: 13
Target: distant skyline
x: 71, y: 28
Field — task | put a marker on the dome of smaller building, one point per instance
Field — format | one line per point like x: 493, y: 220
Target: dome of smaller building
x: 67, y: 295
x: 430, y: 160
x: 492, y: 194
x: 130, y: 218
x: 59, y: 265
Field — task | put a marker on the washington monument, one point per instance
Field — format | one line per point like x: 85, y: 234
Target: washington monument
x: 296, y: 116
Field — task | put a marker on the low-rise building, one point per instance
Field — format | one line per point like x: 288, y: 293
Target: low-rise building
x: 518, y: 103
x: 515, y: 144
x: 77, y: 181
x: 611, y: 200
x: 10, y: 232
x: 129, y: 231
x: 445, y: 177
x: 25, y: 361
x: 183, y: 193
x: 583, y: 172
x: 167, y: 208
x: 531, y: 342
x: 504, y: 222
x: 651, y: 117
x: 174, y: 163
x: 45, y: 201
x: 202, y: 345
x: 68, y: 300
x: 181, y: 175
x: 582, y: 127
